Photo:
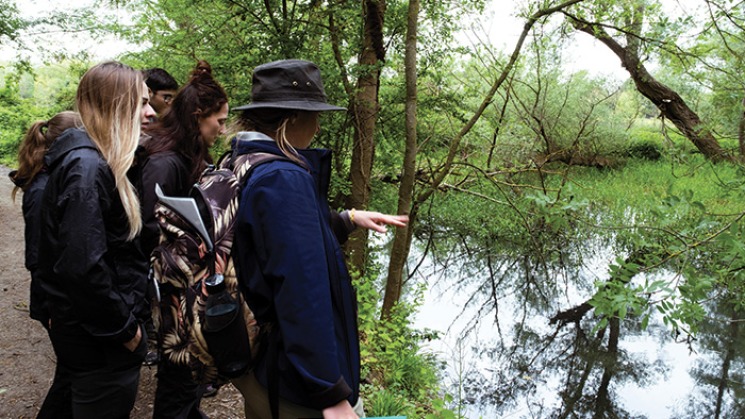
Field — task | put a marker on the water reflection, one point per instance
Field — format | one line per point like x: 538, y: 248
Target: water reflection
x: 519, y: 341
x: 719, y: 370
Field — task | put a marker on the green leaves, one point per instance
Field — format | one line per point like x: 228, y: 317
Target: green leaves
x: 403, y: 379
x: 617, y: 297
x: 10, y: 21
x: 556, y: 211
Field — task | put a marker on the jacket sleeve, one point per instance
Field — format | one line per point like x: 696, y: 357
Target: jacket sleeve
x: 32, y: 222
x: 32, y: 230
x: 81, y: 266
x: 168, y: 173
x: 341, y: 225
x: 287, y: 229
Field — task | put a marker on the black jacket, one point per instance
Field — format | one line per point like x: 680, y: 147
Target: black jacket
x: 172, y: 172
x: 94, y: 278
x: 32, y: 196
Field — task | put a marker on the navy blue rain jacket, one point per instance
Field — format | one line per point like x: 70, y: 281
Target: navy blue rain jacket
x: 94, y: 279
x: 292, y: 271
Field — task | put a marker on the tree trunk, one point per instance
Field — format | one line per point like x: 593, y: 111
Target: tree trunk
x: 669, y: 102
x: 729, y: 355
x: 741, y: 132
x: 603, y: 402
x: 402, y: 236
x: 439, y: 175
x: 365, y: 111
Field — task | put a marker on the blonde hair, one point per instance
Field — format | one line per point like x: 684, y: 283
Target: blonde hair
x: 284, y: 144
x: 109, y: 100
x: 35, y: 144
x: 272, y: 122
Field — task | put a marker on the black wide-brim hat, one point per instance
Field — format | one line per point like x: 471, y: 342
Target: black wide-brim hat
x: 288, y: 84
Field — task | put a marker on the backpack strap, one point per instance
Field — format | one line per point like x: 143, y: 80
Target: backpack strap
x: 242, y: 165
x: 235, y: 159
x: 221, y: 161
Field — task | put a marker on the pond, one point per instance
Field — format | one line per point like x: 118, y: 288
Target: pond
x: 507, y: 359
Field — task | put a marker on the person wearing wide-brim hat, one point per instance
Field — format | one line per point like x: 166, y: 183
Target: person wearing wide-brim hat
x: 288, y: 257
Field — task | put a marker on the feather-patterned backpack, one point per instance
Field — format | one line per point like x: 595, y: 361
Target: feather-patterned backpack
x: 193, y: 258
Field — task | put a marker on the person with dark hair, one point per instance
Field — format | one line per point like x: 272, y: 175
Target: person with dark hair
x: 288, y: 257
x: 178, y: 150
x: 31, y: 178
x: 90, y: 266
x: 176, y: 154
x: 162, y: 88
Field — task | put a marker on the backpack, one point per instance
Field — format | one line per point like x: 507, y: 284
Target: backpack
x: 195, y: 247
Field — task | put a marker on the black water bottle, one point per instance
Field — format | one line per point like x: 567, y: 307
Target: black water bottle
x: 225, y: 330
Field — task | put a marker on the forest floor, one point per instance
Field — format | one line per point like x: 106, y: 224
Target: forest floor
x: 26, y: 358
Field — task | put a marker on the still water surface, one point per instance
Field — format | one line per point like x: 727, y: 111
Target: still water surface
x: 505, y: 359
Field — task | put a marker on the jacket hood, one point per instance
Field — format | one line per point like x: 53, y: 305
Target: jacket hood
x: 253, y: 142
x: 71, y: 139
x: 19, y: 182
x: 317, y: 160
x: 24, y: 182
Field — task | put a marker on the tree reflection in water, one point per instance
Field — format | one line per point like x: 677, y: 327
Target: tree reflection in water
x: 544, y: 360
x: 719, y: 371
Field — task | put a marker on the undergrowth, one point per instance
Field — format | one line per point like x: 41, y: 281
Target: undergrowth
x: 399, y: 379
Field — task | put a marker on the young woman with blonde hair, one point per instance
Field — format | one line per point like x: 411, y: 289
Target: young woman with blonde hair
x: 91, y: 267
x: 288, y: 256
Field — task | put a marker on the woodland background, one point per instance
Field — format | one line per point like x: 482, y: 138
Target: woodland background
x: 505, y: 158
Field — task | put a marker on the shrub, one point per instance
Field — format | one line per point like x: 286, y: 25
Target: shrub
x: 644, y: 149
x: 399, y: 378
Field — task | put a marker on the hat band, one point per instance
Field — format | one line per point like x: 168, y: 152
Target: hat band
x: 314, y: 97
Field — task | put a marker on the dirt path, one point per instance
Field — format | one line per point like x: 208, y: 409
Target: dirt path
x: 26, y: 357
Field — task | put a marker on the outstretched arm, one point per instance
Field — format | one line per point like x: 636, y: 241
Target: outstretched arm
x: 372, y: 220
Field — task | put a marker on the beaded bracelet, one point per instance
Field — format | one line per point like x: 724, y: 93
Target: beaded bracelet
x: 351, y: 215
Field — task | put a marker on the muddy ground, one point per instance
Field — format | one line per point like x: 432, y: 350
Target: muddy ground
x: 26, y: 357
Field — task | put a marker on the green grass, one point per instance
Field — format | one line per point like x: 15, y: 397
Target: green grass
x: 641, y: 184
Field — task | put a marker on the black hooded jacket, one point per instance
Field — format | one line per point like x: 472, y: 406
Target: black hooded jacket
x: 32, y: 195
x: 94, y: 278
x: 172, y: 172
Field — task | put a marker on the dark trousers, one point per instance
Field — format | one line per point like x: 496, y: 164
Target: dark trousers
x: 58, y: 402
x: 100, y: 376
x: 177, y: 395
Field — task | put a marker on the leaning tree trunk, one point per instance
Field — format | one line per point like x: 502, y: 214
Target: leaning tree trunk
x: 365, y: 112
x: 402, y: 241
x: 668, y: 101
x: 402, y: 237
x: 443, y: 170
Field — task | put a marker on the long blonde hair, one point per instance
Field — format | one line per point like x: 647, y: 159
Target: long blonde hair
x: 35, y: 144
x: 109, y: 100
